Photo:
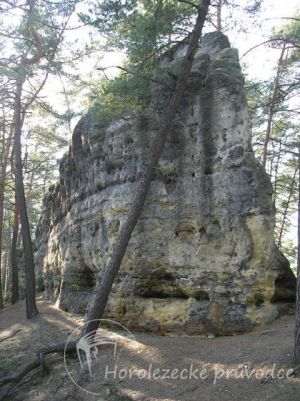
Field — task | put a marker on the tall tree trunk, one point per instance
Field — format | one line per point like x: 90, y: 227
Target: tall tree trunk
x: 297, y: 325
x: 286, y: 208
x: 6, y: 144
x: 276, y: 173
x: 14, y: 259
x: 8, y: 261
x: 272, y: 104
x: 105, y: 280
x: 24, y: 167
x: 1, y: 232
x: 31, y: 309
x: 29, y: 188
x: 1, y: 293
x: 4, y: 275
x: 5, y: 256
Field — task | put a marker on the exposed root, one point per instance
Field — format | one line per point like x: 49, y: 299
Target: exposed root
x: 8, y: 382
x: 9, y: 336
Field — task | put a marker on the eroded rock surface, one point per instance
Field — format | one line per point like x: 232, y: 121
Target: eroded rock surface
x: 202, y: 258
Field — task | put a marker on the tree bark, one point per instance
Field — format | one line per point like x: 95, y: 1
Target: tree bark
x: 105, y: 280
x: 2, y: 185
x: 14, y: 259
x: 31, y: 309
x: 219, y: 15
x: 3, y: 270
x: 272, y: 104
x: 276, y: 173
x: 286, y: 208
x: 6, y: 145
x: 23, y: 69
x: 8, y: 259
x: 297, y: 320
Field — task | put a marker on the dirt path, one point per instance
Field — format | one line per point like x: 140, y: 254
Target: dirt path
x: 203, y: 369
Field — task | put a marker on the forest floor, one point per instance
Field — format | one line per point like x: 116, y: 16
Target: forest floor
x: 203, y: 369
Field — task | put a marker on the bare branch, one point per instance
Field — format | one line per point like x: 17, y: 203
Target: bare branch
x: 279, y: 39
x: 155, y: 80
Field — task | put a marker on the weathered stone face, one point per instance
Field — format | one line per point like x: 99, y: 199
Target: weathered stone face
x: 202, y: 257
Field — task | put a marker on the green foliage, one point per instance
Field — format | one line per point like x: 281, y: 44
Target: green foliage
x: 290, y: 33
x: 283, y: 147
x: 111, y: 99
x: 258, y: 96
x: 29, y: 29
x: 143, y: 28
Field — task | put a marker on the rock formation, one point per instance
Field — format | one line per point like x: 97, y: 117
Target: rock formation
x: 202, y: 258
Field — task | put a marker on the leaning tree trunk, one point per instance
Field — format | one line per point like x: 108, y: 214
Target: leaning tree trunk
x: 105, y: 280
x: 31, y: 309
x: 297, y: 329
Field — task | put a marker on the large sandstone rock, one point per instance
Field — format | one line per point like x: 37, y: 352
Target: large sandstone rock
x: 202, y: 257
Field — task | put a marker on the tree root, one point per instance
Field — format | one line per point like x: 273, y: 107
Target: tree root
x: 8, y: 382
x: 10, y: 335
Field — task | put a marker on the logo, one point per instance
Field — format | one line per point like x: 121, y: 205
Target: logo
x: 111, y: 357
x: 96, y: 353
x: 89, y: 345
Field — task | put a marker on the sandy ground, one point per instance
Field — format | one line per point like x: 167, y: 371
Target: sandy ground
x: 151, y: 368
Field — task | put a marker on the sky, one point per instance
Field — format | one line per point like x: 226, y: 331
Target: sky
x: 259, y: 63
